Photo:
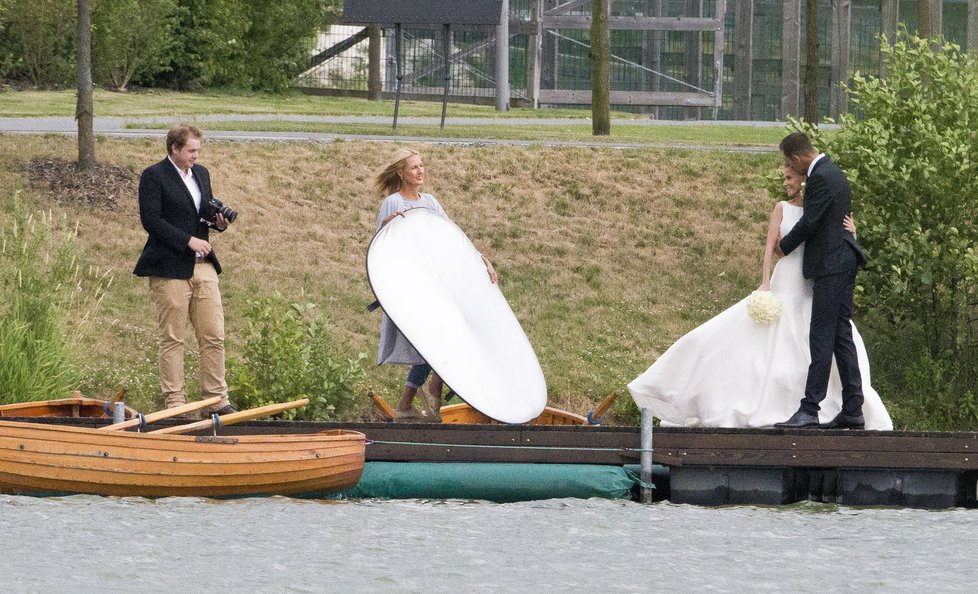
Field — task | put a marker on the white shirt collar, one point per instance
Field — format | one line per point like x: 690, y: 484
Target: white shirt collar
x: 190, y: 170
x: 190, y: 181
x: 812, y: 164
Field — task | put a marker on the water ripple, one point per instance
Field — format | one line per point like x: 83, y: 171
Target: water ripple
x: 103, y: 544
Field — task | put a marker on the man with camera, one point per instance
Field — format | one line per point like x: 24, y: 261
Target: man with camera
x: 177, y: 209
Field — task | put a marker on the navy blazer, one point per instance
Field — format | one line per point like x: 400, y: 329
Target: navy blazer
x: 166, y: 210
x: 828, y: 199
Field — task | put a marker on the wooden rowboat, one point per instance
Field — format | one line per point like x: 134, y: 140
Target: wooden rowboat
x: 463, y: 414
x: 75, y: 406
x: 37, y: 459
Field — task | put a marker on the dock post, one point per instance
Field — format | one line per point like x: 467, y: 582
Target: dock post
x: 118, y: 412
x: 645, y: 474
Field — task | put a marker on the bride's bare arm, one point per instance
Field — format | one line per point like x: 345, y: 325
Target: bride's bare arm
x: 773, y: 234
x: 849, y: 225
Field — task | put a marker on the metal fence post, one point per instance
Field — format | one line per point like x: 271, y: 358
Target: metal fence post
x: 645, y: 474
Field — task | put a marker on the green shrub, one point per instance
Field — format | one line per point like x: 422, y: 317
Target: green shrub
x: 130, y: 39
x: 289, y: 353
x: 47, y: 297
x: 909, y: 153
x: 38, y: 40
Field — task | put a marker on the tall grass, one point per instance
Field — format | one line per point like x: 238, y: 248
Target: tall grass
x: 48, y: 296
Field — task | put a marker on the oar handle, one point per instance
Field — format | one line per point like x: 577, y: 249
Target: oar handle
x: 595, y: 414
x: 163, y: 414
x: 385, y: 409
x: 235, y: 417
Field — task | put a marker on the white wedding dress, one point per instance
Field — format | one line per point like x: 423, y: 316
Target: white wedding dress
x: 735, y: 372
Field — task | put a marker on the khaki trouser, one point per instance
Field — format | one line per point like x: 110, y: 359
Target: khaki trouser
x: 198, y: 300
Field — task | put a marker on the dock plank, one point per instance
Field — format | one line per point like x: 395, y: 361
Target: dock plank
x: 617, y: 445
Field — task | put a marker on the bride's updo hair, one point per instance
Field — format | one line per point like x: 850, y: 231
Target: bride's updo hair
x: 388, y: 181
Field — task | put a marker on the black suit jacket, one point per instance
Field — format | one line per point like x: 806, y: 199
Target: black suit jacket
x: 828, y: 199
x: 166, y: 210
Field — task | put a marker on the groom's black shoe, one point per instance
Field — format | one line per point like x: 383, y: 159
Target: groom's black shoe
x: 845, y: 421
x: 799, y: 420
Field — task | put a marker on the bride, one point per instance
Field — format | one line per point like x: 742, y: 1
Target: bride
x: 735, y: 372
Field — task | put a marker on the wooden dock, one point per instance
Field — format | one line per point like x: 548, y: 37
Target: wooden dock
x: 706, y: 466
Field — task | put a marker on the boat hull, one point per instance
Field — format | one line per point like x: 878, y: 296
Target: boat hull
x: 40, y: 459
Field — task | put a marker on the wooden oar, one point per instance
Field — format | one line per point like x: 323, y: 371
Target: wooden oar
x: 385, y: 409
x: 595, y: 414
x: 235, y: 417
x: 163, y: 414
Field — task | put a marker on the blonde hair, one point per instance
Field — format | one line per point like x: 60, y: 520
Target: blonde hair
x: 178, y: 136
x: 388, y: 181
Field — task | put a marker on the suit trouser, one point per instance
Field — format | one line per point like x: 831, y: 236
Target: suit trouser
x: 831, y: 334
x: 197, y: 300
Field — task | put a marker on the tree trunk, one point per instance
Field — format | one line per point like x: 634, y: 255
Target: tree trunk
x: 600, y: 69
x: 811, y: 60
x: 84, y: 111
x: 923, y: 19
x: 375, y: 87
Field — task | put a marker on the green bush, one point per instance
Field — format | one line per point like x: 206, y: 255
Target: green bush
x: 910, y: 157
x: 47, y: 297
x: 37, y: 40
x: 130, y: 38
x: 248, y: 44
x: 289, y: 353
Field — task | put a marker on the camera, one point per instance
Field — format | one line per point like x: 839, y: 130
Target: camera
x: 219, y: 207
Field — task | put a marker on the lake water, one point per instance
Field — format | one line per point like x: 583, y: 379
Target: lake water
x: 100, y: 544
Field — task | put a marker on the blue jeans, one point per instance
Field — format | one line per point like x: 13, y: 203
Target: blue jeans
x: 417, y: 376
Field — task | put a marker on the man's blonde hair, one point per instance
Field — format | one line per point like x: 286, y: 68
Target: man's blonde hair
x: 178, y: 136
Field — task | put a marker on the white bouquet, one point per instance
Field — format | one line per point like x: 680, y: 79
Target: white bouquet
x: 764, y: 307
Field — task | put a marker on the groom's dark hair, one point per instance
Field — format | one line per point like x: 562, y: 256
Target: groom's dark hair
x: 796, y: 143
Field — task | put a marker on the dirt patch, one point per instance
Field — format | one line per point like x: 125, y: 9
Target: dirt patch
x: 101, y: 188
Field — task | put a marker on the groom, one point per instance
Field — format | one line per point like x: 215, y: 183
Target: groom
x: 831, y: 258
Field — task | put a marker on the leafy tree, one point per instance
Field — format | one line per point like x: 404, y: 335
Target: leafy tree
x: 251, y: 44
x: 130, y: 37
x: 279, y: 40
x: 39, y: 38
x: 910, y: 155
x: 207, y: 47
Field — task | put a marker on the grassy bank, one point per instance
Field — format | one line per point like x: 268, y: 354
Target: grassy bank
x: 638, y: 133
x: 606, y: 256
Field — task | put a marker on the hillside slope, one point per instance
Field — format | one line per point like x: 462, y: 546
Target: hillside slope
x: 606, y: 255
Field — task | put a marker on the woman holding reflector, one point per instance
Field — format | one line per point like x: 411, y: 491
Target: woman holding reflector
x: 400, y: 186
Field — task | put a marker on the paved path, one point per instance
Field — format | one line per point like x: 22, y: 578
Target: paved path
x: 128, y: 128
